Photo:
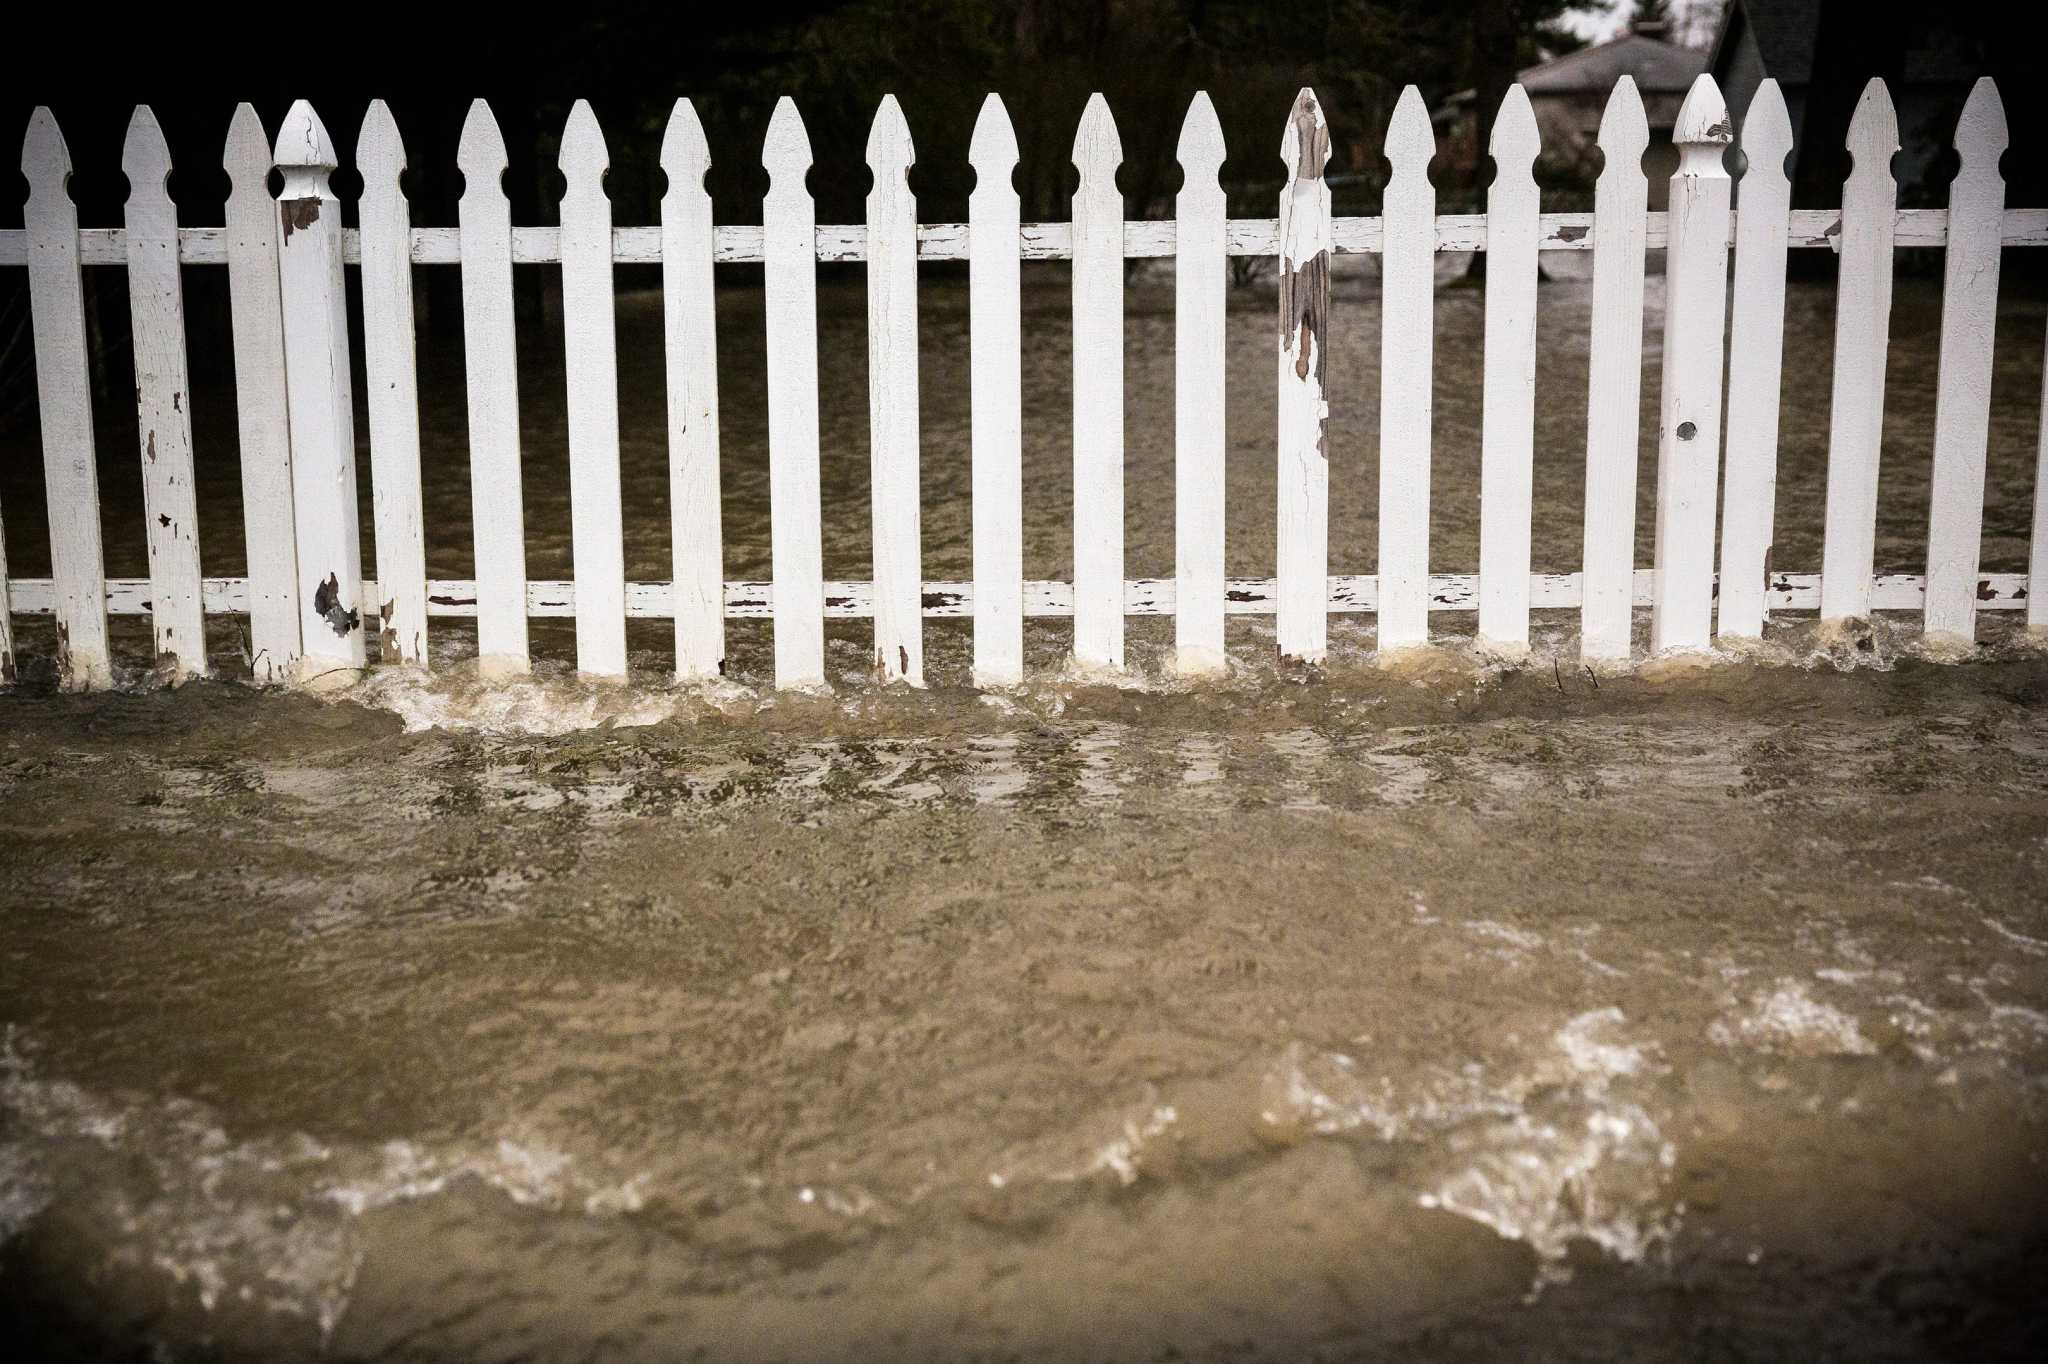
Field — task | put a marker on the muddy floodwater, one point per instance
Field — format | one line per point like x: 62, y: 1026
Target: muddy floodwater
x: 1435, y: 1011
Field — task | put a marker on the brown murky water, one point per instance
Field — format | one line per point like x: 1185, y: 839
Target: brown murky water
x: 1444, y: 1013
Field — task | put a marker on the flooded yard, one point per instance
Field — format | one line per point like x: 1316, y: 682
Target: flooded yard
x: 1442, y: 1012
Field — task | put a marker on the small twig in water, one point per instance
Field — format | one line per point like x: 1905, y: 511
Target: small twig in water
x: 1557, y: 676
x: 1592, y: 676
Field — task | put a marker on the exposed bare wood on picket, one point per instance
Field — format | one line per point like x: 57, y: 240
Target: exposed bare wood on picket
x: 391, y: 373
x: 1098, y: 391
x: 163, y: 412
x: 262, y: 415
x: 1755, y: 358
x: 1407, y: 344
x: 1508, y: 421
x: 1200, y: 277
x: 892, y: 400
x: 1863, y: 311
x: 1615, y: 378
x: 1689, y: 428
x: 64, y: 405
x: 316, y: 367
x: 1303, y: 547
x: 791, y: 285
x: 491, y: 367
x: 690, y: 336
x: 591, y: 368
x: 1962, y: 402
x: 996, y: 401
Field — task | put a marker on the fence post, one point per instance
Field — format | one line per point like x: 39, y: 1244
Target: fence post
x: 64, y: 404
x: 316, y: 365
x: 1200, y: 274
x: 1302, y: 612
x: 1689, y: 431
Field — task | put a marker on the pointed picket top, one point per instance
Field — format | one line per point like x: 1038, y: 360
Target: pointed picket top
x: 1624, y: 128
x: 889, y: 145
x: 1201, y: 137
x: 45, y: 160
x: 247, y: 159
x: 1305, y: 124
x: 1981, y: 136
x: 583, y: 156
x: 1515, y: 140
x: 480, y: 153
x: 685, y: 155
x: 302, y: 141
x: 146, y: 157
x: 993, y: 148
x: 786, y: 151
x: 1873, y: 133
x: 1766, y: 129
x: 1411, y: 141
x: 380, y: 151
x: 1702, y: 130
x: 1097, y: 149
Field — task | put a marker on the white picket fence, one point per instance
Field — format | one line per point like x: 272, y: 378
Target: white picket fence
x: 310, y: 610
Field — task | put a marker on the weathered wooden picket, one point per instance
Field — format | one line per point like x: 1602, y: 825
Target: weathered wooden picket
x: 311, y: 610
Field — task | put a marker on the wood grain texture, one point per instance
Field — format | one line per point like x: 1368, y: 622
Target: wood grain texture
x: 262, y: 411
x: 1863, y: 313
x: 892, y: 401
x: 690, y: 341
x: 1098, y: 392
x: 1614, y: 378
x: 1303, y: 545
x: 591, y: 370
x: 1962, y: 402
x: 1200, y: 280
x: 995, y: 380
x: 791, y: 286
x: 491, y: 369
x: 317, y: 385
x: 1756, y: 348
x: 1407, y: 346
x: 163, y: 411
x: 1689, y: 426
x: 390, y: 371
x: 1508, y: 420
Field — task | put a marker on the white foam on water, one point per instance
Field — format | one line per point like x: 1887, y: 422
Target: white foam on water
x: 1788, y: 1020
x: 550, y: 700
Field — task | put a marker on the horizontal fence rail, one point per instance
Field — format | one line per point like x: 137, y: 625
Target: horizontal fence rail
x: 314, y: 608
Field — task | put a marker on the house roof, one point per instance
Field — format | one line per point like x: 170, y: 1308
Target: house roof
x: 1658, y: 67
x: 1785, y: 32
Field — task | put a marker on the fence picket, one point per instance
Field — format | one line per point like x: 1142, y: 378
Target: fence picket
x: 1507, y: 441
x: 1301, y: 621
x: 591, y: 362
x: 2037, y: 551
x: 1962, y: 403
x: 996, y: 399
x: 1614, y: 390
x: 1756, y: 348
x: 6, y: 615
x: 1200, y: 274
x: 489, y: 358
x: 1407, y: 342
x: 789, y: 231
x: 1689, y: 429
x: 1098, y: 392
x: 389, y: 369
x: 892, y: 400
x: 690, y: 335
x: 163, y: 417
x: 1863, y: 312
x: 64, y: 404
x: 261, y: 414
x: 316, y: 370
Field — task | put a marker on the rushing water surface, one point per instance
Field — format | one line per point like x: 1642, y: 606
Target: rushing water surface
x: 1436, y: 1010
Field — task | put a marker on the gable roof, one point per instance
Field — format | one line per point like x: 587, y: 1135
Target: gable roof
x: 1785, y: 33
x: 1658, y: 67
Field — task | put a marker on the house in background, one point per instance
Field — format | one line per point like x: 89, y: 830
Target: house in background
x: 1569, y: 94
